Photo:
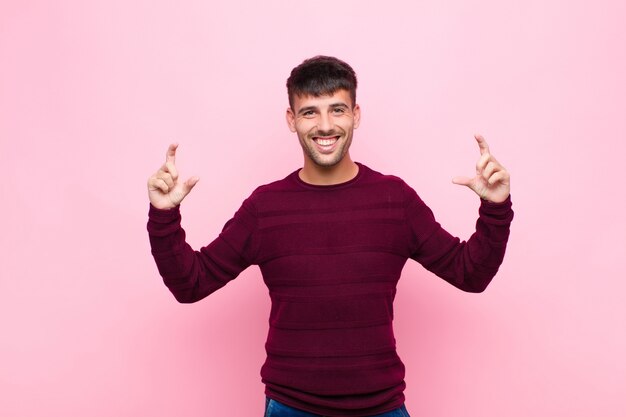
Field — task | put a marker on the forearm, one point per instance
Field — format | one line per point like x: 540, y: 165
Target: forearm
x: 470, y: 265
x: 190, y: 275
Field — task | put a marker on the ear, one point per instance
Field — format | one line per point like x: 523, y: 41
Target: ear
x: 291, y: 119
x: 356, y: 114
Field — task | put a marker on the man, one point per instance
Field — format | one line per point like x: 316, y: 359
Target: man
x: 331, y: 240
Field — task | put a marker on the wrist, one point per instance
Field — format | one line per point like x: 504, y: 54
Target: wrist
x: 166, y: 211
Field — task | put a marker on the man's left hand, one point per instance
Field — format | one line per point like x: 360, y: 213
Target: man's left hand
x: 492, y: 181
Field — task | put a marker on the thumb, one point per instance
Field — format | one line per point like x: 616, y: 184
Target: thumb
x: 462, y: 181
x: 189, y: 184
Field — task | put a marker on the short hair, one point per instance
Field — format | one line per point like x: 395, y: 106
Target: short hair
x: 321, y: 75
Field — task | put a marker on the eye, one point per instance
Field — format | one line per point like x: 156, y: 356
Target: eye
x: 339, y: 110
x: 308, y: 113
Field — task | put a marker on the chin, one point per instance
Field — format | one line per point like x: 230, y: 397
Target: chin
x: 327, y: 163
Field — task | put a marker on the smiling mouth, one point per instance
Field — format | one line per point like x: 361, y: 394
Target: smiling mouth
x: 325, y: 141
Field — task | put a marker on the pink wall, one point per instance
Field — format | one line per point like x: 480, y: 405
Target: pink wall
x: 91, y: 93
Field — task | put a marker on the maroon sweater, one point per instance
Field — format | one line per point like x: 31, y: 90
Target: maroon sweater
x: 331, y: 257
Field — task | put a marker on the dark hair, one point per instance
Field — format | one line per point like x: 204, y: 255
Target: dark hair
x: 321, y: 75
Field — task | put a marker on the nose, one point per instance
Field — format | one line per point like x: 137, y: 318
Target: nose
x: 326, y: 123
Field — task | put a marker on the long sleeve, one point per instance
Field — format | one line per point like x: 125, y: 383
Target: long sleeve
x: 192, y: 275
x: 469, y: 265
x: 331, y: 257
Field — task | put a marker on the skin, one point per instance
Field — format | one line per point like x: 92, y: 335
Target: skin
x: 322, y: 118
x: 165, y: 191
x: 492, y: 181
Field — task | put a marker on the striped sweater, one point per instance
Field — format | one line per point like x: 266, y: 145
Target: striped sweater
x: 331, y: 257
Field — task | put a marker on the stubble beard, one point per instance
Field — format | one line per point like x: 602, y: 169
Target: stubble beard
x: 308, y: 146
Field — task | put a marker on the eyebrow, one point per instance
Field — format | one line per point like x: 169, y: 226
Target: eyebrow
x: 338, y: 105
x: 314, y: 108
x: 306, y: 109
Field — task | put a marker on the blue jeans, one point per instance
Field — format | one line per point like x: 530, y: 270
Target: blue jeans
x: 274, y: 408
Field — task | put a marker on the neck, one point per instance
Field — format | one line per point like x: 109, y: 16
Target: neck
x: 315, y: 174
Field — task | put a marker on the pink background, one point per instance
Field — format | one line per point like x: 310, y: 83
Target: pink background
x: 91, y: 94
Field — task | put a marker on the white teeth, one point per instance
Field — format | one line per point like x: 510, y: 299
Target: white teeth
x: 325, y: 142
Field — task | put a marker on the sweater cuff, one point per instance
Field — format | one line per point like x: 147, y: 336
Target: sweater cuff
x: 501, y: 212
x: 165, y: 214
x: 163, y: 221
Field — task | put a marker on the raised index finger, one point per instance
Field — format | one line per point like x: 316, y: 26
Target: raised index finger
x: 170, y: 156
x: 482, y: 144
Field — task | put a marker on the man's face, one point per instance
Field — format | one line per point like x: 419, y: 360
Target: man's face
x: 324, y: 126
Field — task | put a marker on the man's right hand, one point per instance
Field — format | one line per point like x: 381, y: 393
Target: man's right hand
x: 164, y: 189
